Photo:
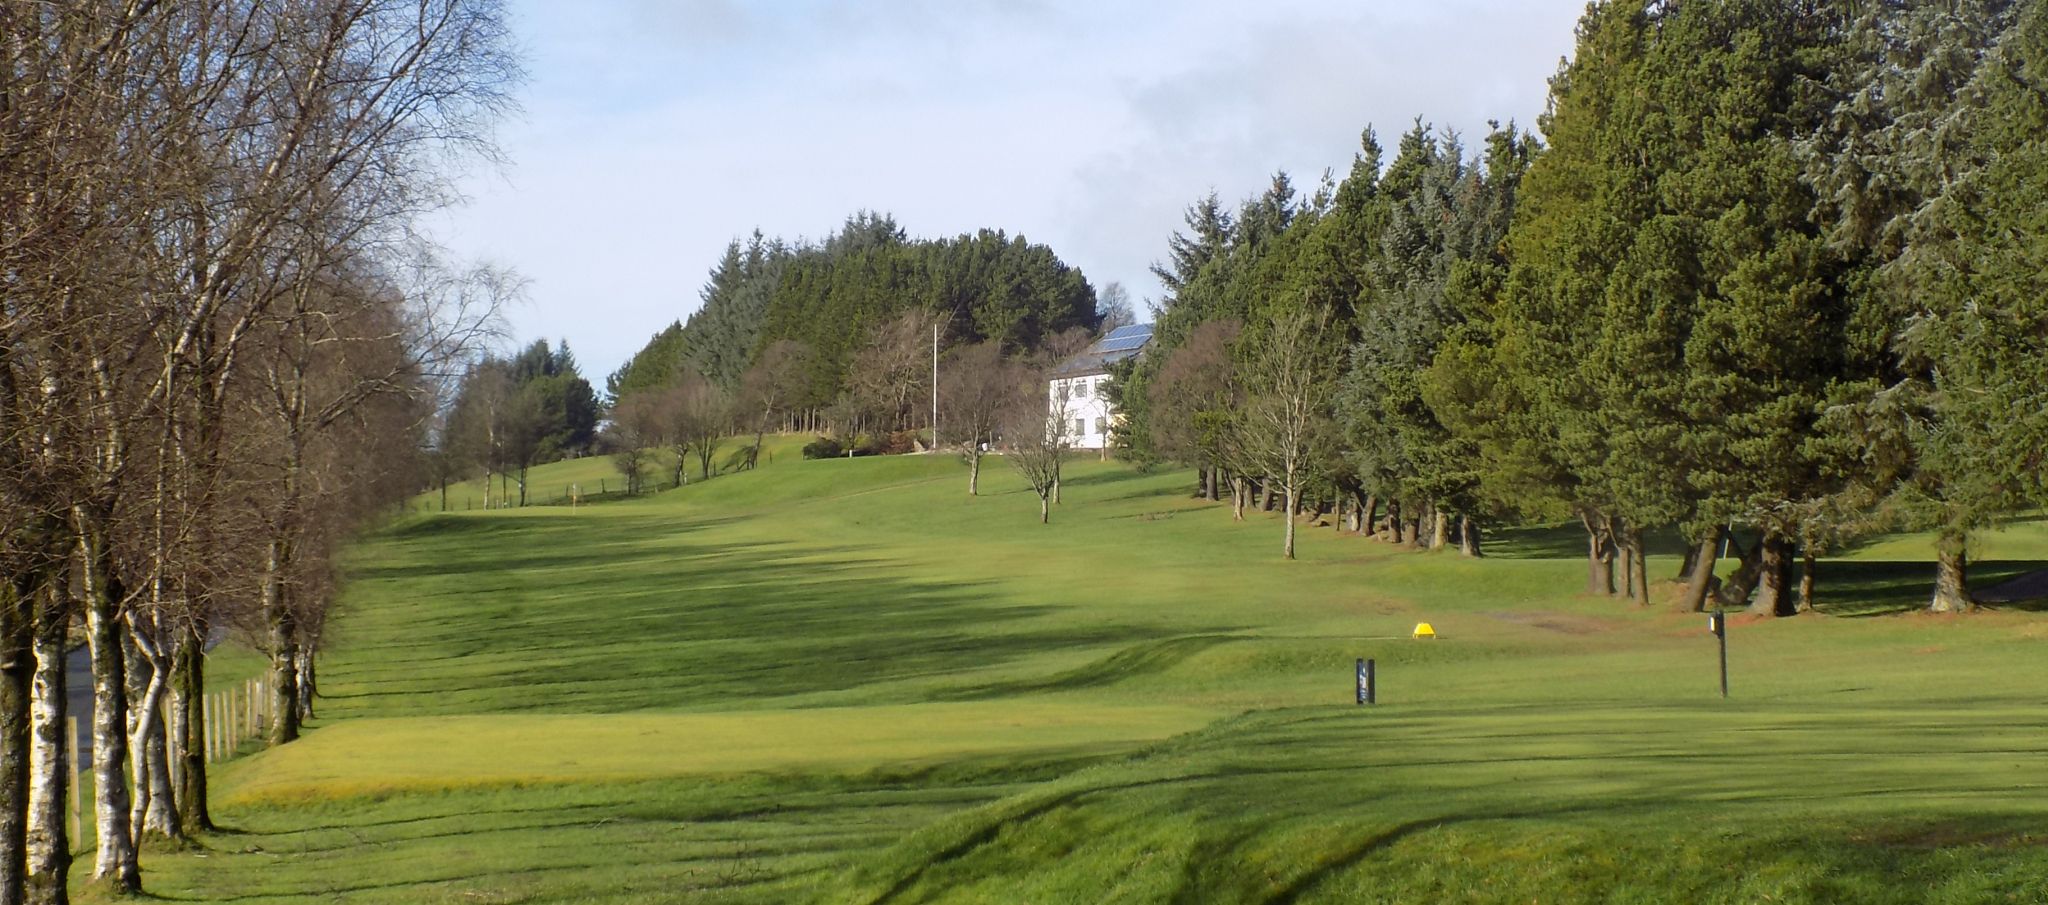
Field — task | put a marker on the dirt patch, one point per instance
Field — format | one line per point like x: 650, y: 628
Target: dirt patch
x: 1563, y: 623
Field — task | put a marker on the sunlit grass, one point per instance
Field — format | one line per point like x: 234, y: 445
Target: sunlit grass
x: 848, y: 681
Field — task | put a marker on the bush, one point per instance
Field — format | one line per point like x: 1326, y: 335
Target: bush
x: 823, y: 448
x: 902, y: 442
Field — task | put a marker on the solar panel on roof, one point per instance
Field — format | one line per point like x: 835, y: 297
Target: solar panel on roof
x: 1129, y: 330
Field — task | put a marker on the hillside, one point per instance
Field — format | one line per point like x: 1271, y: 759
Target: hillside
x: 847, y: 681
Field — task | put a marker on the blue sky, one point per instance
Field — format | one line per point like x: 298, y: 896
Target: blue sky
x: 654, y: 132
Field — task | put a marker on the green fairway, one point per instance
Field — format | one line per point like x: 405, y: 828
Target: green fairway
x: 847, y: 681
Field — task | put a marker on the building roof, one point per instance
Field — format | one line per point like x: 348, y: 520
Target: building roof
x: 1117, y: 345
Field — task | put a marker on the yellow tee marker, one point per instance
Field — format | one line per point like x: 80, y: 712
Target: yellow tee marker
x: 1423, y: 630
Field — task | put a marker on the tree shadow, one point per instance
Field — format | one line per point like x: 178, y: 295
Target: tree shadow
x: 1862, y: 587
x: 1567, y: 540
x: 650, y: 614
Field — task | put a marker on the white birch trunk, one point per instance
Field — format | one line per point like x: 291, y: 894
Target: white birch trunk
x: 49, y: 840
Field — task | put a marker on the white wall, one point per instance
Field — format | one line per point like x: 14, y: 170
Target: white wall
x: 1083, y: 400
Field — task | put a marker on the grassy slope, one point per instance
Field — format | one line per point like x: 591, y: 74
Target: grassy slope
x: 846, y: 681
x: 596, y: 476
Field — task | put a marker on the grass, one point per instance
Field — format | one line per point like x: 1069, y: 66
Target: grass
x: 593, y: 477
x: 846, y: 681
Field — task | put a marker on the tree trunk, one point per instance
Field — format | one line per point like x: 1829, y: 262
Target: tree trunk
x: 1807, y: 578
x: 1213, y: 480
x: 1044, y: 510
x: 114, y: 863
x: 1628, y: 543
x: 1369, y: 519
x: 1952, y: 576
x: 302, y: 662
x: 283, y: 687
x: 1394, y: 520
x: 1238, y: 491
x: 161, y: 816
x: 1700, y: 581
x: 974, y: 471
x: 282, y: 642
x: 188, y: 730
x: 150, y: 810
x: 49, y: 836
x: 17, y: 671
x: 1266, y: 495
x: 1642, y: 567
x: 1440, y: 530
x: 1468, y: 538
x: 1691, y: 563
x: 1293, y: 498
x: 1599, y: 557
x: 1774, y: 585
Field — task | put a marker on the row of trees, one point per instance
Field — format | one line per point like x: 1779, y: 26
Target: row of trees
x: 1776, y: 269
x: 217, y: 348
x: 839, y: 333
x: 510, y: 414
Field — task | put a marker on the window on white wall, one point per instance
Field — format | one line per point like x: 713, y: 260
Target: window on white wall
x: 1080, y: 427
x: 1081, y: 390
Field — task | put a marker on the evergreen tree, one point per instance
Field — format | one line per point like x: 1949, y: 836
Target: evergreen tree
x: 1977, y: 335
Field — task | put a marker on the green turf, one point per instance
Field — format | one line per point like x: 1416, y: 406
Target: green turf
x: 847, y: 681
x: 595, y: 478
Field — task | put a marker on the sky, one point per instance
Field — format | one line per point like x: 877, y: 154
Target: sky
x: 653, y: 132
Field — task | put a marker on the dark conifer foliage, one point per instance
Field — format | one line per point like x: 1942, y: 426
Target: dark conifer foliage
x: 831, y: 296
x: 1773, y: 267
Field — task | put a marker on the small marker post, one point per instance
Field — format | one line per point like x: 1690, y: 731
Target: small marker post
x: 1368, y: 690
x: 1717, y: 622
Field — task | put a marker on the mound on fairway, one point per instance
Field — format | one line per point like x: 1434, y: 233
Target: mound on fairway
x: 848, y: 681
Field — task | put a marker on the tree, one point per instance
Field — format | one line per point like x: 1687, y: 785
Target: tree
x: 979, y: 389
x: 1977, y: 336
x: 702, y: 417
x: 1287, y: 408
x: 1114, y: 306
x: 890, y: 375
x: 767, y: 389
x: 1195, y: 400
x: 638, y: 427
x: 1037, y: 433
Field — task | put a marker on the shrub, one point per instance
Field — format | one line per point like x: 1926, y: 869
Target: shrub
x: 823, y: 448
x: 901, y: 442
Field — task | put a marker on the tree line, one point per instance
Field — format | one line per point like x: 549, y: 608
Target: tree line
x: 1773, y: 272
x: 837, y: 335
x: 510, y: 413
x: 219, y: 352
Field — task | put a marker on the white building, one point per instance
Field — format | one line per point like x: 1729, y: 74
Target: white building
x: 1076, y: 389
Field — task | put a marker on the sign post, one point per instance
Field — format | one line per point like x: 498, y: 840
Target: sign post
x: 1368, y: 692
x: 1717, y: 622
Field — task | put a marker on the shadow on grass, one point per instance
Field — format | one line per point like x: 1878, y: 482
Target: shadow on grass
x: 1567, y: 540
x: 543, y: 613
x: 1887, y: 587
x: 1434, y: 799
